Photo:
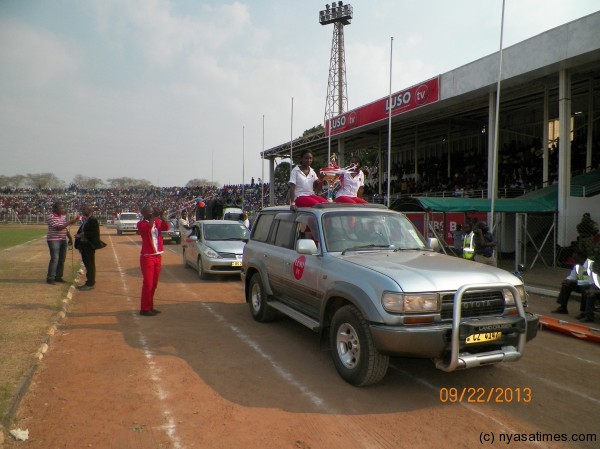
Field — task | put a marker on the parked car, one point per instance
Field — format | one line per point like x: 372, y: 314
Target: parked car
x: 215, y: 247
x: 366, y: 278
x: 232, y: 213
x: 127, y: 222
x: 173, y: 234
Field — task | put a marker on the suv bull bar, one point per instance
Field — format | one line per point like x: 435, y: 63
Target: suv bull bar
x: 506, y: 353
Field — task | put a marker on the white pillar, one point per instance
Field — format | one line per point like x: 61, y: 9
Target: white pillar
x: 564, y: 154
x: 341, y: 153
x: 271, y: 182
x: 590, y: 128
x: 546, y: 159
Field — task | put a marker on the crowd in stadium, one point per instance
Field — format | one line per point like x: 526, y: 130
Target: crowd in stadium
x: 520, y: 169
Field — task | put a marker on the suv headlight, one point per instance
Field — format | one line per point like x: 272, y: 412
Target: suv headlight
x: 509, y: 299
x: 410, y: 302
x: 209, y: 252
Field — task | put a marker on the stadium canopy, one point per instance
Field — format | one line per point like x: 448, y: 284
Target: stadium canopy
x: 436, y: 204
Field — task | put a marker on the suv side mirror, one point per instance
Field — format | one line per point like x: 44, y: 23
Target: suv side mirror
x: 433, y: 243
x: 306, y: 246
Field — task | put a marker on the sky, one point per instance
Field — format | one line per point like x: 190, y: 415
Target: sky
x: 175, y: 90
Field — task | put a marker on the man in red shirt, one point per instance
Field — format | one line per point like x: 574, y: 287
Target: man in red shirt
x: 150, y: 229
x: 57, y: 237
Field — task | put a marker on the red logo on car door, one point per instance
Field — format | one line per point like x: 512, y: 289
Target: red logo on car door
x: 299, y: 267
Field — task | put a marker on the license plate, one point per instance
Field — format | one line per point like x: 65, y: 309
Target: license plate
x: 479, y: 338
x: 236, y: 264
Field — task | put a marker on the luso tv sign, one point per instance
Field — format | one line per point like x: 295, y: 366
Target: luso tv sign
x: 414, y: 97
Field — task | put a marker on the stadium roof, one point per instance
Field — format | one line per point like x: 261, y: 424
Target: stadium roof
x: 530, y: 69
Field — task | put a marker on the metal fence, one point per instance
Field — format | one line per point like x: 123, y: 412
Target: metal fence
x: 11, y: 218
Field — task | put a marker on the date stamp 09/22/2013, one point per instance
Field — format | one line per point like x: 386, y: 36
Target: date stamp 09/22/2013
x: 486, y: 395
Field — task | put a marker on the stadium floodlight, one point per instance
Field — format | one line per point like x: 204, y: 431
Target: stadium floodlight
x: 339, y: 15
x: 336, y: 13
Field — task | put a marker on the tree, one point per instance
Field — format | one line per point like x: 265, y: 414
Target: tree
x: 201, y: 182
x: 282, y: 172
x: 85, y: 182
x: 318, y: 129
x: 44, y: 181
x: 16, y: 181
x: 129, y: 183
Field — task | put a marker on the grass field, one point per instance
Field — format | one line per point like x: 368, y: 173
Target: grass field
x: 16, y: 235
x: 28, y: 306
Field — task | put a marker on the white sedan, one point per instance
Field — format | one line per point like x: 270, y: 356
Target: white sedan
x: 215, y: 247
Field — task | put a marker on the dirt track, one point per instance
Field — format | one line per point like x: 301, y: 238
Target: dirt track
x: 203, y: 374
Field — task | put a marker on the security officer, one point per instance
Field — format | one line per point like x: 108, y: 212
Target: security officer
x: 469, y: 242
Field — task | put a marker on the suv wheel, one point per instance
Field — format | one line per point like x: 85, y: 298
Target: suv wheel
x: 257, y: 299
x: 354, y: 354
x: 201, y: 274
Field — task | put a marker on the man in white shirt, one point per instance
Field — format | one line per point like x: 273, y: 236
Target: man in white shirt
x: 183, y: 224
x: 578, y: 280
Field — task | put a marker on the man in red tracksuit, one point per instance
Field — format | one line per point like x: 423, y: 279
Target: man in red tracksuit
x: 150, y: 228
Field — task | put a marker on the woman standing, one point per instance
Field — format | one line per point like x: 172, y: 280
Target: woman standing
x: 352, y: 185
x: 302, y: 183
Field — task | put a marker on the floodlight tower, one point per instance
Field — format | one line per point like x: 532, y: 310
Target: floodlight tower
x: 337, y: 92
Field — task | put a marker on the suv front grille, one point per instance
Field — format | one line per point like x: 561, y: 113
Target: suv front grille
x: 480, y: 303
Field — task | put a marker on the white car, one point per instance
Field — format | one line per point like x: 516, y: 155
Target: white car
x: 232, y: 213
x: 215, y: 247
x: 127, y: 222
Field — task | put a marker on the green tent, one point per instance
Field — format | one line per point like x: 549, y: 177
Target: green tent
x: 436, y: 204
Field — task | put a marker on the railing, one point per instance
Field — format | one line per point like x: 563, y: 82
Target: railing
x: 585, y: 191
x: 10, y: 218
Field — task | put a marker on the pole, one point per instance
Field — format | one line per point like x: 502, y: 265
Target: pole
x: 262, y: 179
x: 329, y: 145
x: 494, y: 180
x: 389, y: 158
x: 291, y: 135
x: 243, y: 165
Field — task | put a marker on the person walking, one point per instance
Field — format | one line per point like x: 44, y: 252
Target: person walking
x: 150, y: 229
x: 58, y: 238
x: 87, y: 240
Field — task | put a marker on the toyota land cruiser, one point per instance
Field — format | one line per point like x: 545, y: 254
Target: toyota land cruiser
x: 363, y: 277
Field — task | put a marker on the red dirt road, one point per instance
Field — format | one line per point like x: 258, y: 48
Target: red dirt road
x: 203, y: 374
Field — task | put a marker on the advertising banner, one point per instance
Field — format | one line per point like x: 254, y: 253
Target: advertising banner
x: 406, y: 100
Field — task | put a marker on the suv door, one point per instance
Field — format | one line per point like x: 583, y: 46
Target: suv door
x: 301, y: 273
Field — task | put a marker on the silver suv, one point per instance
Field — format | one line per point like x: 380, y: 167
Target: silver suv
x: 364, y: 277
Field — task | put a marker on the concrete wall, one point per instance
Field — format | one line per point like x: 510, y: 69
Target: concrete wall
x: 545, y: 53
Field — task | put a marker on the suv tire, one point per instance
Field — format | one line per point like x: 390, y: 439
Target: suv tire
x: 354, y: 354
x: 257, y: 299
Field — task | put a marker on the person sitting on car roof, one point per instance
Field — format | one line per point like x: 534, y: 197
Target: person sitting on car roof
x: 303, y: 180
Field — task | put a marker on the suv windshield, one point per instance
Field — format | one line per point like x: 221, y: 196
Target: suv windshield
x: 128, y: 217
x: 357, y: 231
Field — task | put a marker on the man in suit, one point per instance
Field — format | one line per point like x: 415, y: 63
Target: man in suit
x: 87, y: 240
